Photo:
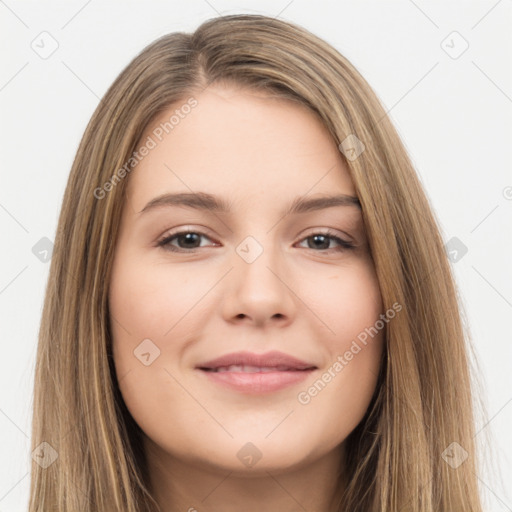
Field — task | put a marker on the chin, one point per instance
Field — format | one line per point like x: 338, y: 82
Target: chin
x: 255, y: 456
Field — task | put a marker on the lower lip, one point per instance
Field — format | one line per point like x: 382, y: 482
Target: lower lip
x: 258, y: 382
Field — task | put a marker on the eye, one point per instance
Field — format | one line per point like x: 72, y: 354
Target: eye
x: 189, y: 241
x: 322, y: 241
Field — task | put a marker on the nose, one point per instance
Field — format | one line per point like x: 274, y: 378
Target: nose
x: 259, y: 292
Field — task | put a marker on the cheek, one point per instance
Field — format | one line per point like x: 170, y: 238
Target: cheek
x: 148, y: 317
x: 345, y: 301
x: 349, y: 305
x: 154, y: 302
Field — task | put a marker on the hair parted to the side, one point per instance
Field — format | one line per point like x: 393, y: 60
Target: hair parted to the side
x: 423, y: 400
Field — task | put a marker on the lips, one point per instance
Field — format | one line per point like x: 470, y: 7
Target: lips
x: 250, y: 373
x: 252, y: 363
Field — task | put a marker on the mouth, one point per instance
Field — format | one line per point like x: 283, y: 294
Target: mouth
x: 241, y: 368
x: 256, y: 373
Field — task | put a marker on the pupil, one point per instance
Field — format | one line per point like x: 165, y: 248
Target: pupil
x: 189, y: 238
x: 325, y: 244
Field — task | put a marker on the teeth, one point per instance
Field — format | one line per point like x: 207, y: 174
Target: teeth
x: 250, y: 369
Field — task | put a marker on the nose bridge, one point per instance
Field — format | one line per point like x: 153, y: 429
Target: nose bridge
x: 258, y: 259
x: 258, y: 288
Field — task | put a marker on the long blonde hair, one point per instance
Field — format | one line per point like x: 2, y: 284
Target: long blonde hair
x: 423, y: 400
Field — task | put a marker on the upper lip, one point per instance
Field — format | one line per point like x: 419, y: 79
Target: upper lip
x: 267, y: 360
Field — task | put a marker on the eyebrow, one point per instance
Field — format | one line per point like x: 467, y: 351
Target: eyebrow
x: 209, y: 202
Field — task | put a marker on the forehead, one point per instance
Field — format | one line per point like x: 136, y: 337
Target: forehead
x: 238, y: 143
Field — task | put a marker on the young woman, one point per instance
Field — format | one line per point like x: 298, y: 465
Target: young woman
x: 249, y: 304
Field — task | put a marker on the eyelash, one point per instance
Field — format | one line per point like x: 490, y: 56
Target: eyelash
x: 165, y: 242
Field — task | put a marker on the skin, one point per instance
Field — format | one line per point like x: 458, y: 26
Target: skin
x: 310, y: 301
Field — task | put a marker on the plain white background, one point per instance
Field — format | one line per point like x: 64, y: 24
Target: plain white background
x: 441, y: 69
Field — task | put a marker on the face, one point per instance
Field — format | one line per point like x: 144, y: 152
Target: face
x: 288, y: 291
